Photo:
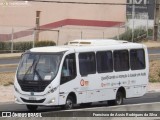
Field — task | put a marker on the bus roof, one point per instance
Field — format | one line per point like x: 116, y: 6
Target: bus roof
x: 92, y: 46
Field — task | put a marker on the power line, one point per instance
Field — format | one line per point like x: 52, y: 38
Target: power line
x: 94, y: 3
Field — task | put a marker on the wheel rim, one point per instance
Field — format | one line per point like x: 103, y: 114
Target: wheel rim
x: 119, y: 99
x: 69, y: 104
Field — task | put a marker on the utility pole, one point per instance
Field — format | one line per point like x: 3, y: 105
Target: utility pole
x: 156, y: 19
x: 133, y: 17
x: 36, y: 38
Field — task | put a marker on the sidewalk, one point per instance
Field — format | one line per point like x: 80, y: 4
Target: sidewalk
x: 154, y: 87
x: 7, y: 95
x: 152, y: 44
x: 10, y: 55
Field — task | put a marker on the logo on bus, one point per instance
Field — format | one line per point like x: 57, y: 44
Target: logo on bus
x: 84, y: 83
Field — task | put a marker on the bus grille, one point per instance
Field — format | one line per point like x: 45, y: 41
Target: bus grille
x: 33, y: 101
x: 33, y: 87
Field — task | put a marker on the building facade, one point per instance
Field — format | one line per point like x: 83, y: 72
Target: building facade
x: 61, y: 22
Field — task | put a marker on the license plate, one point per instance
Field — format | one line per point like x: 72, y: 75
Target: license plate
x: 32, y: 98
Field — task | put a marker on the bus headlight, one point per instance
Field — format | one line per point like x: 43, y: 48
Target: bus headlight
x: 53, y: 100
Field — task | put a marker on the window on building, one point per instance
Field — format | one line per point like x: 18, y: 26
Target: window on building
x: 87, y: 63
x: 69, y: 69
x: 104, y: 61
x: 137, y: 59
x: 121, y: 60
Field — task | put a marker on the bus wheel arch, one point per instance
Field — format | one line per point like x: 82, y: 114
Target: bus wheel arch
x: 120, y: 95
x: 123, y: 91
x: 71, y: 100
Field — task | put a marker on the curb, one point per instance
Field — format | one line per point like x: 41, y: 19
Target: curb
x: 9, y: 102
x: 10, y: 57
x: 157, y: 47
x: 9, y: 65
x: 154, y: 54
x: 153, y: 91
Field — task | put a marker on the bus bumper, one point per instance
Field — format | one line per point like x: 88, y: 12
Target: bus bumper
x: 45, y: 100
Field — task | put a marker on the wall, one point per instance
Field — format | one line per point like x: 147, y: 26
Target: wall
x: 56, y: 15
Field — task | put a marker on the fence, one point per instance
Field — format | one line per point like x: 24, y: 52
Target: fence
x: 60, y: 36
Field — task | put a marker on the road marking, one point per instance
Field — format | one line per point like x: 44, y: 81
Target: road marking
x: 128, y: 105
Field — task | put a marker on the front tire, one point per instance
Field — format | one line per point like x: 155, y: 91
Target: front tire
x: 69, y: 103
x: 32, y: 107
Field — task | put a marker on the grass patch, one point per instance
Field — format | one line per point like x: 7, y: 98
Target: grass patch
x: 154, y: 71
x: 8, y: 83
x: 153, y: 80
x: 7, y: 78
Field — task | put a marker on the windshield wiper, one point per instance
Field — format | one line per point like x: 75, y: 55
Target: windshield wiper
x: 35, y: 71
x: 29, y: 69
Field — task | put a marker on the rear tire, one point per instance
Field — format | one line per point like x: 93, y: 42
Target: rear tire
x: 32, y: 107
x: 118, y: 100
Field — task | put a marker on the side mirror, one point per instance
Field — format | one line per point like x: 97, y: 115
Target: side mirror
x: 22, y: 55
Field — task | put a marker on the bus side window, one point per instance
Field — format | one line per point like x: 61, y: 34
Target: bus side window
x: 69, y: 69
x: 104, y: 61
x: 87, y: 63
x: 137, y: 59
x: 121, y: 60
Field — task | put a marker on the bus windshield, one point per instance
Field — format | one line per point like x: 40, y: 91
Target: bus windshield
x: 38, y: 67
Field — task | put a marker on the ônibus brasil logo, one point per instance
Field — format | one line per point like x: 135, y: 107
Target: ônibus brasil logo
x: 14, y: 3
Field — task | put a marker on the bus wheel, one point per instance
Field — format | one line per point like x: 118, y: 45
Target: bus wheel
x: 69, y: 103
x: 32, y: 107
x: 119, y: 98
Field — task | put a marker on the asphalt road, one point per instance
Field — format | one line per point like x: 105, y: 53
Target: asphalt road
x: 10, y: 61
x: 154, y: 51
x: 16, y: 60
x: 147, y: 98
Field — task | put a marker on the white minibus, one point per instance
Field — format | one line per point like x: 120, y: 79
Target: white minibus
x: 82, y: 72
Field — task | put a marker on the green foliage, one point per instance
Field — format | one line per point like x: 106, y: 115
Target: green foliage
x: 153, y: 80
x: 139, y: 35
x: 23, y: 46
x: 150, y: 32
x: 44, y: 43
x: 159, y: 73
x: 8, y: 83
